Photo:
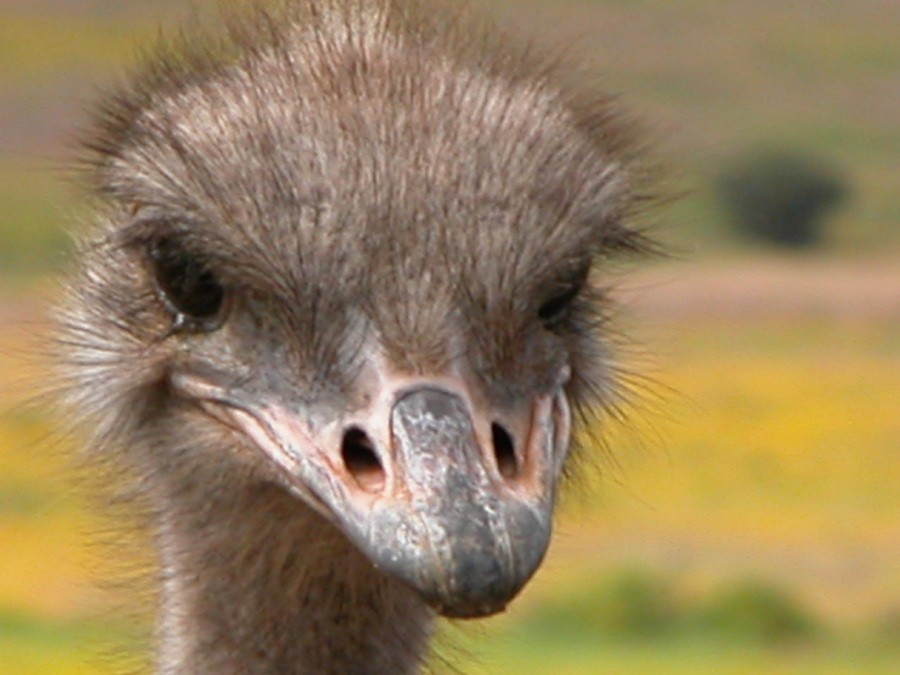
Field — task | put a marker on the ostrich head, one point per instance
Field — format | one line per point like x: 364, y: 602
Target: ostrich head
x: 345, y: 256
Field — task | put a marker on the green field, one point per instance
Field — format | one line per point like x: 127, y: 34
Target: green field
x: 747, y: 519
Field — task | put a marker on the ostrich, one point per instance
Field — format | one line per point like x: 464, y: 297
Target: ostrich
x: 332, y: 322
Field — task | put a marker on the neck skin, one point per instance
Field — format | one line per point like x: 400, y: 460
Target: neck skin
x: 256, y: 583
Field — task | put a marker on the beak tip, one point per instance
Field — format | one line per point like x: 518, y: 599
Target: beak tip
x: 476, y: 575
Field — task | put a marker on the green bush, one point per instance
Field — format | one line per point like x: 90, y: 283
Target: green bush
x: 755, y: 611
x: 628, y: 604
x: 634, y: 604
x: 780, y: 197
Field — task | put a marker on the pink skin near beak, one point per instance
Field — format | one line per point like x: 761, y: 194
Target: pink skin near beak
x: 454, y: 500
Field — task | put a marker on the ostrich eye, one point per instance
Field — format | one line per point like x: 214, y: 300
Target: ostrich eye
x: 554, y: 309
x: 188, y: 286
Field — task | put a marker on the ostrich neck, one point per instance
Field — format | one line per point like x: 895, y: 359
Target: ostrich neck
x: 256, y: 583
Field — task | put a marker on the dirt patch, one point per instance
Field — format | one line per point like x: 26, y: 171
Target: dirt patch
x: 767, y: 287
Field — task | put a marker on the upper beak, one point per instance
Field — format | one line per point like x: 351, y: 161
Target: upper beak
x: 455, y: 502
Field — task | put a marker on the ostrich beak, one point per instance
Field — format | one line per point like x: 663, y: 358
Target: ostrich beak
x: 424, y: 487
x: 465, y: 535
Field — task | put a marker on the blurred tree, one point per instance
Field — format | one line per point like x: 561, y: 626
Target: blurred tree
x: 780, y: 196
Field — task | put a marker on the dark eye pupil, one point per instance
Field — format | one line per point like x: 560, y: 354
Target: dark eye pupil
x: 556, y: 306
x: 187, y: 284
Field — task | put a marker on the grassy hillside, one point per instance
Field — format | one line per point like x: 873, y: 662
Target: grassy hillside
x: 710, y: 78
x: 715, y: 78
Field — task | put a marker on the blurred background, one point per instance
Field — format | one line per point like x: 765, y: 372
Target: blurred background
x: 748, y: 520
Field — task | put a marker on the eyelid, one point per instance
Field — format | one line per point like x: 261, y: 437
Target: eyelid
x: 554, y: 307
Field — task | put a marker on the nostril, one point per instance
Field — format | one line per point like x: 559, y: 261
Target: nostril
x: 504, y: 452
x: 361, y: 461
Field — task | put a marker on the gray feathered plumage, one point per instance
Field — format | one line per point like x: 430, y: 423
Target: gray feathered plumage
x: 334, y: 204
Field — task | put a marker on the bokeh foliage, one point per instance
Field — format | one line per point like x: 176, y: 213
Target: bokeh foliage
x: 780, y: 196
